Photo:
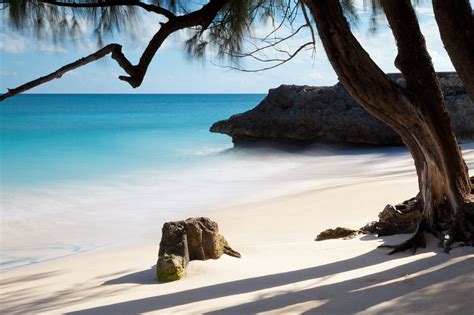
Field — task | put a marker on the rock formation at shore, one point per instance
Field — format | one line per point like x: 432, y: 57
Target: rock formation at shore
x: 191, y: 239
x: 305, y: 114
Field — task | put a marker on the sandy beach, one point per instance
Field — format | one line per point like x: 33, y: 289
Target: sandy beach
x: 283, y: 270
x: 129, y: 124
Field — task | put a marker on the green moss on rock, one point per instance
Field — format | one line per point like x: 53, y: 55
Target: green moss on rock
x: 339, y: 232
x: 170, y: 268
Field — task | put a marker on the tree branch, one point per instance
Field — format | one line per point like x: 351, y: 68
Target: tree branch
x: 111, y: 3
x: 455, y: 21
x: 278, y: 41
x: 202, y: 17
x: 114, y: 49
x: 280, y: 61
x: 310, y: 25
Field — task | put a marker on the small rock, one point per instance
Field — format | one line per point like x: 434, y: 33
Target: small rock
x: 338, y: 232
x: 187, y: 240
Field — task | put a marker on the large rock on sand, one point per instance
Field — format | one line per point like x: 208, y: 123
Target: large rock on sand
x: 191, y: 239
x: 305, y: 114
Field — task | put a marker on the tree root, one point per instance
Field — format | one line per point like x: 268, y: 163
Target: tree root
x: 418, y: 240
x: 460, y: 230
x: 407, y: 218
x: 402, y: 218
x: 393, y: 221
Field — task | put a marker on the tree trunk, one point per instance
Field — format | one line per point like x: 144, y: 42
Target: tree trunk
x: 456, y: 26
x: 417, y: 112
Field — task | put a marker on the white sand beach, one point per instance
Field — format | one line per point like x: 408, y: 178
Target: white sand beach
x: 283, y: 270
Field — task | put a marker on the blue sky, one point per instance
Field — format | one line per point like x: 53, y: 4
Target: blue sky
x: 23, y: 58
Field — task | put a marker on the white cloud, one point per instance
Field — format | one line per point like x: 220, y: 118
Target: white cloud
x: 11, y: 43
x: 15, y: 43
x: 50, y: 48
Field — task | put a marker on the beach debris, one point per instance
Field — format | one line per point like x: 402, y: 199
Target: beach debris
x: 339, y: 232
x: 187, y: 240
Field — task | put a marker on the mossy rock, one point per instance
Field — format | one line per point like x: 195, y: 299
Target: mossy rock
x: 186, y: 240
x: 338, y: 233
x: 170, y: 268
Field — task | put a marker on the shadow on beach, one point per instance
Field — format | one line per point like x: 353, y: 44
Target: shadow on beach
x: 416, y: 279
x: 436, y: 284
x: 147, y: 276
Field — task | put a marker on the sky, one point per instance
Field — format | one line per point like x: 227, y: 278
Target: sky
x: 24, y: 58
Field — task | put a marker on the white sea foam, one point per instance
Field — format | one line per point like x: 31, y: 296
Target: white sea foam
x: 47, y: 222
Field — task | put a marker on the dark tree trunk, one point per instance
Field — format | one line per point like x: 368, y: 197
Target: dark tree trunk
x: 456, y: 26
x: 417, y: 113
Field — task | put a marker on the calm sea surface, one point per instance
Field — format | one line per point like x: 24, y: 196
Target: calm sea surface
x: 51, y: 138
x: 82, y: 172
x: 79, y: 172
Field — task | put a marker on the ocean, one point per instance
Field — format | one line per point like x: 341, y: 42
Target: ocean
x: 63, y: 138
x: 83, y: 172
x: 87, y: 164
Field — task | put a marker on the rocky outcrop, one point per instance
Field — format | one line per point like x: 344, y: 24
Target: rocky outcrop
x: 305, y: 114
x: 191, y: 239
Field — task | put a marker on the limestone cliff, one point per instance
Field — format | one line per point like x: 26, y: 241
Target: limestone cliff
x: 305, y: 114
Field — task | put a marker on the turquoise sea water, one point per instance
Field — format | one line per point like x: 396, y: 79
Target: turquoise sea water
x: 75, y: 169
x: 83, y: 172
x: 51, y: 138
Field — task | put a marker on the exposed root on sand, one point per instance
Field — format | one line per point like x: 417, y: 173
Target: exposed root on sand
x: 395, y: 220
x: 451, y: 226
x: 418, y: 240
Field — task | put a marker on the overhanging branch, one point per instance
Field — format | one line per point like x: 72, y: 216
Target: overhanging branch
x: 102, y: 4
x: 202, y: 17
x: 114, y: 49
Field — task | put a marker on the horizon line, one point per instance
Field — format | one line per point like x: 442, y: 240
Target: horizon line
x: 151, y: 93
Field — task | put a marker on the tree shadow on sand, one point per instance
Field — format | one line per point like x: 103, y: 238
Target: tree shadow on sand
x: 147, y: 276
x: 413, y: 280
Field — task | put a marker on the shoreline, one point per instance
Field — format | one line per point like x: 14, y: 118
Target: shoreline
x: 87, y: 214
x: 283, y: 270
x: 280, y: 270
